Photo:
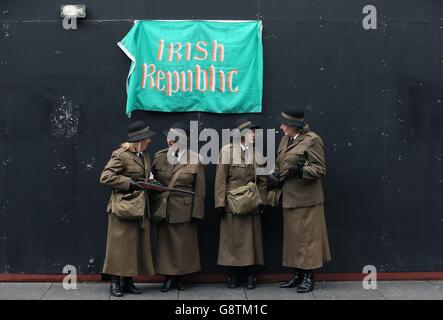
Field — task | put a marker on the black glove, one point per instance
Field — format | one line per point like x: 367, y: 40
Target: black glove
x: 134, y: 186
x: 195, y: 220
x: 264, y: 208
x: 158, y: 183
x: 220, y: 211
x: 274, y: 181
x: 295, y: 171
x: 153, y: 181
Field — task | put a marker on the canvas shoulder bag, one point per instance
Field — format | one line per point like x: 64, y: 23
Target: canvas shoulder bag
x: 159, y: 201
x: 244, y: 199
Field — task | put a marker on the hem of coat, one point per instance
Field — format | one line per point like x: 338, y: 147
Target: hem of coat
x: 303, y: 206
x: 177, y: 273
x: 240, y: 264
x: 305, y: 267
x: 124, y: 274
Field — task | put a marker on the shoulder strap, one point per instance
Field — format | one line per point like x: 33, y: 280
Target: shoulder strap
x: 254, y: 162
x: 172, y: 182
x: 146, y: 164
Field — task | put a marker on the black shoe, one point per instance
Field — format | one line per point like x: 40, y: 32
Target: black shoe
x: 295, y: 281
x: 168, y: 284
x: 251, y: 282
x: 129, y: 287
x: 116, y: 289
x: 307, y: 284
x: 232, y: 281
x: 179, y: 284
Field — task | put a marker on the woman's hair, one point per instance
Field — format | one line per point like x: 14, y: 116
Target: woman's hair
x: 303, y: 129
x: 131, y: 146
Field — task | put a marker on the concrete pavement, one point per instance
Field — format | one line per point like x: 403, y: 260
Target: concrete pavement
x: 350, y: 290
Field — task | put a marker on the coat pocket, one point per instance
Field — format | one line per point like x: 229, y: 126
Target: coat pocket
x: 186, y: 177
x: 237, y: 170
x: 188, y: 170
x: 297, y: 158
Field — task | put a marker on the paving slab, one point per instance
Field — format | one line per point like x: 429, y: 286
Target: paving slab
x: 151, y: 291
x: 214, y: 291
x: 23, y: 291
x: 404, y: 290
x: 84, y: 291
x: 409, y: 290
x: 437, y: 283
x: 338, y: 290
x: 274, y: 292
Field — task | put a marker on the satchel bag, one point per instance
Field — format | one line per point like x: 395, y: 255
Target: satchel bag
x: 129, y: 206
x: 245, y: 199
x: 159, y: 201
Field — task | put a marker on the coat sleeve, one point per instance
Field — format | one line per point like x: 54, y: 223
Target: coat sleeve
x: 261, y: 177
x: 221, y: 181
x: 200, y: 193
x: 262, y: 187
x: 277, y: 158
x: 112, y: 174
x: 316, y: 166
x: 154, y: 168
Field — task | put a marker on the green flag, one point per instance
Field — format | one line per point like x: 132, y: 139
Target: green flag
x: 209, y: 66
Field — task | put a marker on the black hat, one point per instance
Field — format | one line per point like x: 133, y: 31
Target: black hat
x: 179, y: 128
x: 242, y: 124
x: 139, y: 130
x: 293, y: 116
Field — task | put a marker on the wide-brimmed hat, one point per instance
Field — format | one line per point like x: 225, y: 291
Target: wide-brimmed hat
x: 293, y: 116
x: 242, y: 124
x: 179, y: 129
x: 139, y: 130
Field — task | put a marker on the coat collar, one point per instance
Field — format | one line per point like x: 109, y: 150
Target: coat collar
x: 297, y: 140
x: 137, y: 159
x: 183, y: 158
x: 238, y: 148
x: 144, y: 165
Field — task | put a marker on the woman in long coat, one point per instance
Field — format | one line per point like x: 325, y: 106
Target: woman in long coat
x: 300, y: 167
x: 128, y: 248
x: 240, y: 243
x: 176, y: 249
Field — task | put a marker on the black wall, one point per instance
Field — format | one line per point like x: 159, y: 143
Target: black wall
x: 376, y: 98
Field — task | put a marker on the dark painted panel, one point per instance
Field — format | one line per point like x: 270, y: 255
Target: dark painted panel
x: 41, y: 207
x: 322, y: 11
x: 136, y: 9
x: 3, y: 163
x: 374, y: 97
x: 90, y: 50
x: 3, y: 209
x: 33, y: 10
x: 3, y: 10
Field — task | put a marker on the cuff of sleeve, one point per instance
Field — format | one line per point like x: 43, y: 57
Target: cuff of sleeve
x: 219, y: 204
x: 127, y: 183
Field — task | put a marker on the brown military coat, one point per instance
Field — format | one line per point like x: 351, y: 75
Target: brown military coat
x: 305, y: 239
x: 128, y: 248
x: 240, y: 242
x: 176, y: 249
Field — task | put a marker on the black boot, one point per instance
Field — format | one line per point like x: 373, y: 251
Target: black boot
x: 294, y: 281
x: 250, y: 284
x: 168, y: 284
x: 180, y: 286
x: 129, y: 287
x: 307, y: 284
x: 116, y: 288
x: 232, y: 278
